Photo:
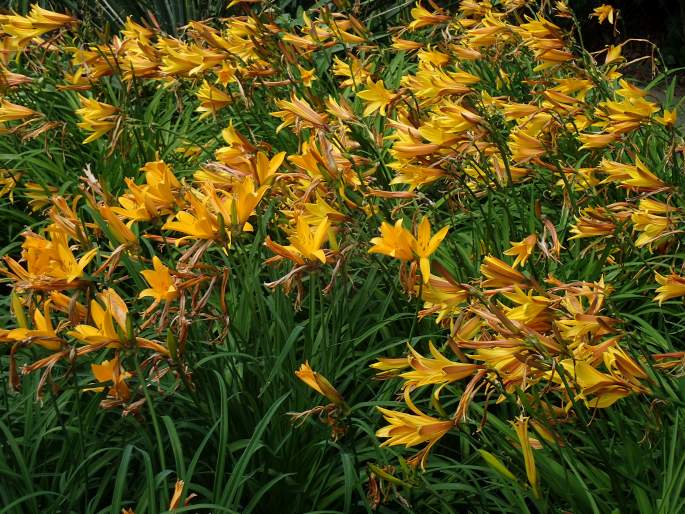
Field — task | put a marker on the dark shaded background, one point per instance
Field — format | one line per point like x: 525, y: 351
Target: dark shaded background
x: 660, y: 21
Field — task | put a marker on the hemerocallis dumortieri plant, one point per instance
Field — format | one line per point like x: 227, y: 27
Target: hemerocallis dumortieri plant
x: 515, y: 156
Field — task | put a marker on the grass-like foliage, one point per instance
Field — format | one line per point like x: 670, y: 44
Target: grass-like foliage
x: 365, y: 259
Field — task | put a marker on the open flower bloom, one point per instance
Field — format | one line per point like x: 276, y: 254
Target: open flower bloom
x: 376, y: 98
x: 97, y: 117
x: 158, y: 196
x: 395, y: 241
x: 631, y: 176
x: 425, y: 245
x: 604, y: 12
x: 211, y: 99
x: 598, y: 390
x: 522, y: 250
x: 111, y: 325
x: 197, y: 222
x: 24, y: 29
x: 112, y: 371
x: 266, y: 168
x: 424, y: 18
x: 438, y: 370
x: 299, y: 113
x: 412, y: 429
x: 50, y: 263
x: 442, y: 297
x: 109, y: 310
x: 306, y: 242
x: 161, y: 284
x: 671, y: 286
x: 42, y: 334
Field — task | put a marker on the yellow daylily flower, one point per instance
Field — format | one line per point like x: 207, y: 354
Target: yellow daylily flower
x: 14, y: 112
x: 603, y: 13
x: 319, y: 383
x: 425, y: 245
x: 412, y: 429
x: 211, y: 99
x: 522, y: 250
x: 112, y: 371
x: 97, y: 117
x: 395, y: 241
x: 161, y: 284
x: 671, y: 286
x: 104, y: 315
x: 438, y: 370
x: 499, y: 274
x: 43, y: 334
x: 299, y: 113
x: 376, y: 97
x: 636, y: 176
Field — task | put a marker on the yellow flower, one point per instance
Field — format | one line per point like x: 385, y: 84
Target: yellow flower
x: 613, y: 54
x: 424, y: 245
x: 405, y: 45
x: 598, y: 390
x: 197, y: 222
x: 395, y: 241
x: 110, y: 323
x: 603, y: 12
x: 13, y: 112
x: 119, y: 230
x: 521, y: 427
x: 43, y: 334
x: 112, y: 371
x: 636, y: 176
x: 305, y: 244
x: 299, y: 113
x: 668, y: 119
x: 48, y: 19
x: 499, y: 274
x: 522, y: 250
x: 50, y: 263
x: 98, y: 118
x: 424, y: 18
x: 211, y: 99
x: 319, y: 383
x: 376, y: 97
x: 525, y: 147
x: 187, y: 60
x: 671, y: 286
x: 104, y: 331
x: 441, y: 296
x: 161, y: 284
x: 309, y: 243
x: 341, y: 110
x: 266, y: 169
x: 237, y: 206
x: 591, y: 141
x: 413, y: 429
x: 307, y: 77
x: 439, y: 370
x: 529, y: 309
x: 650, y: 226
x: 415, y: 175
x: 23, y: 29
x: 352, y: 68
